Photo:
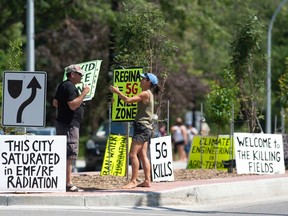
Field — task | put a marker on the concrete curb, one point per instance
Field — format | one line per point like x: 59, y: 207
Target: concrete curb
x: 198, y: 194
x: 226, y: 192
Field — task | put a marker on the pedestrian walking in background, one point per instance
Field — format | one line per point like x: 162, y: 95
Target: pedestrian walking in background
x: 205, y: 129
x: 143, y: 129
x: 70, y: 111
x: 191, y: 132
x: 179, y: 139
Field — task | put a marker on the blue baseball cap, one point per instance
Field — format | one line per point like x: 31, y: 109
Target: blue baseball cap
x: 151, y: 77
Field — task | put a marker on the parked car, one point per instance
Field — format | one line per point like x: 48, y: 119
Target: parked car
x: 41, y: 131
x: 96, y: 145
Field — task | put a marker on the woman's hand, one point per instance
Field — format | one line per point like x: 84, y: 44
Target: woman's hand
x: 114, y: 89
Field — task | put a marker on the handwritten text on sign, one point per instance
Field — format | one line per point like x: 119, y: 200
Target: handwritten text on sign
x: 90, y: 78
x: 32, y: 163
x: 128, y: 82
x: 210, y: 151
x: 115, y: 156
x: 259, y: 153
x: 161, y: 159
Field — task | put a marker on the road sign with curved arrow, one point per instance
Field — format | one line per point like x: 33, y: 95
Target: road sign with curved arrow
x: 24, y: 98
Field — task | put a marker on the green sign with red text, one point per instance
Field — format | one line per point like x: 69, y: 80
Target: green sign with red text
x: 128, y: 82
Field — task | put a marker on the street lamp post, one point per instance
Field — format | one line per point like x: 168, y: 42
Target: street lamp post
x: 268, y: 111
x: 30, y: 62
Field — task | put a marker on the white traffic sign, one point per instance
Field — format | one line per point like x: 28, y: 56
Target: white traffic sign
x: 24, y: 98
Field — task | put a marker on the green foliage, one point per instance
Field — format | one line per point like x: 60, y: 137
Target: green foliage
x: 283, y: 85
x: 12, y: 61
x: 247, y: 63
x: 146, y: 32
x: 222, y: 100
x: 141, y: 40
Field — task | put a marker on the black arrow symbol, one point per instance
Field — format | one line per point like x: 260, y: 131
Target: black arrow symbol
x: 34, y: 84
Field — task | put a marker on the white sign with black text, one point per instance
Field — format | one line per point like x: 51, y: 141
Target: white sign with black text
x: 30, y: 163
x: 161, y: 159
x: 259, y: 153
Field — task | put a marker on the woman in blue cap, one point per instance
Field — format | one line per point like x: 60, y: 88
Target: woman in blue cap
x: 143, y: 129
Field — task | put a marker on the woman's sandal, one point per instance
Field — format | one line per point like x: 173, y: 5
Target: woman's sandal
x: 73, y: 188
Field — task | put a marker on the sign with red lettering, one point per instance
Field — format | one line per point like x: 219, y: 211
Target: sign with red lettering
x: 128, y: 82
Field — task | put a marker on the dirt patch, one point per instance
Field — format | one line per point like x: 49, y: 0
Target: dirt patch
x: 93, y: 181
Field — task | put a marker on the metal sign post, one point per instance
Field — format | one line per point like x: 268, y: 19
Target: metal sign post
x: 127, y: 149
x: 109, y: 132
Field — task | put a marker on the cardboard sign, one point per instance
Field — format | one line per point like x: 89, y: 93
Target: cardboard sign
x: 33, y: 163
x: 259, y: 153
x: 210, y: 150
x: 128, y: 82
x: 90, y: 77
x: 161, y: 159
x: 116, y: 157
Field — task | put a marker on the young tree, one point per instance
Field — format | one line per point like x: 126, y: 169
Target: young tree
x: 222, y: 100
x: 222, y: 103
x: 11, y: 61
x: 141, y: 40
x: 247, y: 64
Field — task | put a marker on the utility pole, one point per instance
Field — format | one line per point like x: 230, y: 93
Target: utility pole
x: 30, y: 49
x: 268, y: 111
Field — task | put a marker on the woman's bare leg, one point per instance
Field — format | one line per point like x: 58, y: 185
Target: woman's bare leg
x: 135, y: 148
x: 146, y: 166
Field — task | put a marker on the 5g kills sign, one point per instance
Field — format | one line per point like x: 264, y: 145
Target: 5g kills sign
x: 128, y: 82
x: 161, y: 159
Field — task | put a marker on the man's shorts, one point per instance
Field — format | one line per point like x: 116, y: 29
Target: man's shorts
x: 142, y: 134
x: 72, y: 134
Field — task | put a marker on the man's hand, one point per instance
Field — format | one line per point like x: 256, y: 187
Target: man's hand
x: 85, y: 90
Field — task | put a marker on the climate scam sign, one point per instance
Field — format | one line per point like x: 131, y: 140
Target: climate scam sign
x: 208, y: 151
x: 128, y: 82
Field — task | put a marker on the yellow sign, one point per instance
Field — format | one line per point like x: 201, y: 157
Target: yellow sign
x: 211, y: 151
x: 128, y: 82
x: 117, y: 156
x: 90, y: 77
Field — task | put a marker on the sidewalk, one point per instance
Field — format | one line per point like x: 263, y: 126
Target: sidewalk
x: 200, y: 192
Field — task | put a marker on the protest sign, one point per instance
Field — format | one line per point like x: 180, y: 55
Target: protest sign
x: 209, y: 150
x: 116, y: 157
x: 33, y: 163
x: 259, y: 153
x: 90, y: 78
x: 128, y: 82
x: 161, y: 159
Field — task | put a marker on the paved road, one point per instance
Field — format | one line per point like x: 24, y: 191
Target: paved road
x: 275, y: 207
x: 193, y: 193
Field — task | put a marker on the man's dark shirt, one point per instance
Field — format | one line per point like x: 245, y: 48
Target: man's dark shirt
x: 67, y: 91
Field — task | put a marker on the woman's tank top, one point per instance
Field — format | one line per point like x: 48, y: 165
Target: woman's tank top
x: 145, y: 111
